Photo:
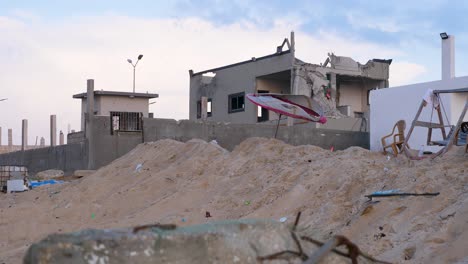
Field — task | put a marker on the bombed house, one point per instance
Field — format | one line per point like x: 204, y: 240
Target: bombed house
x: 340, y: 84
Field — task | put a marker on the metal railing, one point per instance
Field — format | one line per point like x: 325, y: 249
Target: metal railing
x: 7, y: 172
x: 126, y: 121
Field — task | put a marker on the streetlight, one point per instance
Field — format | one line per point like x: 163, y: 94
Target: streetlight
x: 134, y: 65
x: 444, y: 35
x: 3, y: 99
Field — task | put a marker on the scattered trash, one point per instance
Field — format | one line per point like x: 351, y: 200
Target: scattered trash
x: 183, y: 220
x: 207, y: 214
x: 283, y: 219
x: 93, y: 215
x: 388, y: 158
x: 34, y: 184
x: 139, y: 167
x: 385, y: 169
x: 247, y: 202
x: 214, y: 142
x: 332, y: 148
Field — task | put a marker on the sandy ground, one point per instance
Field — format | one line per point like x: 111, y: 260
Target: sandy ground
x: 261, y: 178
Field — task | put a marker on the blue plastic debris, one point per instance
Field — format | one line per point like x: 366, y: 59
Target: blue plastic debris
x: 35, y: 184
x: 386, y: 192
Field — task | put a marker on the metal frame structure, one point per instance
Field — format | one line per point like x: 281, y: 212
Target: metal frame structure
x: 6, y: 173
x: 449, y: 139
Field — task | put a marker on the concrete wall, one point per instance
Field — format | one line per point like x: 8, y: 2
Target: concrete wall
x: 390, y: 105
x: 7, y: 149
x: 121, y: 103
x: 230, y: 135
x: 76, y: 137
x: 68, y: 158
x: 354, y: 93
x: 109, y: 147
x: 273, y: 86
x: 241, y: 78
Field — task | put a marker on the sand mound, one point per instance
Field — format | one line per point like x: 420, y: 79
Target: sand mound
x: 173, y: 182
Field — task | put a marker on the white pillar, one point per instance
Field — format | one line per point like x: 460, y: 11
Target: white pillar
x: 448, y: 58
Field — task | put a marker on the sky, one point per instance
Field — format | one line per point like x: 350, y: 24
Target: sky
x: 49, y: 48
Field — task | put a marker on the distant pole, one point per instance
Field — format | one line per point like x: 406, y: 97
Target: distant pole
x: 134, y: 79
x: 134, y: 67
x: 24, y: 135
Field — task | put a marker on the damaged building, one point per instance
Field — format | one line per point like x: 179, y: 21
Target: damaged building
x: 340, y: 84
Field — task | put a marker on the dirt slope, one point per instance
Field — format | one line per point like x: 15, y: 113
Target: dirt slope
x: 261, y: 178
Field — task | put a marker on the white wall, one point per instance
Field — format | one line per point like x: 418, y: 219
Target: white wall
x: 123, y: 104
x: 392, y: 104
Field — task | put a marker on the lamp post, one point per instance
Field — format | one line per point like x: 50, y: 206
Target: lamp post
x: 3, y: 99
x: 134, y: 66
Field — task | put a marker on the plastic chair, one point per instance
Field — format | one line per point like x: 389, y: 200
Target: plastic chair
x: 398, y: 138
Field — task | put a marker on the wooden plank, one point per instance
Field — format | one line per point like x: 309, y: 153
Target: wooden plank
x: 441, y: 120
x: 429, y: 124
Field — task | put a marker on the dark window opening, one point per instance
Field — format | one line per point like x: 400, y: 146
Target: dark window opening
x: 126, y: 121
x: 262, y: 113
x: 209, y: 108
x: 368, y: 95
x: 236, y: 102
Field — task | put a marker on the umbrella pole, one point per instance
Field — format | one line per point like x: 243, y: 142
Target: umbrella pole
x: 277, y: 125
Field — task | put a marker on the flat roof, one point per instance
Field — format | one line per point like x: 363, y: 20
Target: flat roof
x: 243, y: 62
x: 116, y: 93
x: 461, y: 90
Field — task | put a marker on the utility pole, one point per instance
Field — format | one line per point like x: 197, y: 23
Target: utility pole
x: 134, y: 66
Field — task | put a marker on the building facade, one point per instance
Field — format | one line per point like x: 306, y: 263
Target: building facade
x: 340, y: 84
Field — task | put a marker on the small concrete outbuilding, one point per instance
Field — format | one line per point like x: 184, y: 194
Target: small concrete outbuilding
x: 122, y: 106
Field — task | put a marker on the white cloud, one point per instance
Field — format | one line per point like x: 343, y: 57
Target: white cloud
x: 379, y: 23
x: 404, y: 72
x: 44, y: 64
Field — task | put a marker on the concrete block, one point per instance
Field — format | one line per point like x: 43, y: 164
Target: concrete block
x: 240, y: 241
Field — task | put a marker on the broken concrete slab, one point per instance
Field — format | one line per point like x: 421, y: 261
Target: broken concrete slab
x: 240, y: 241
x: 49, y: 174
